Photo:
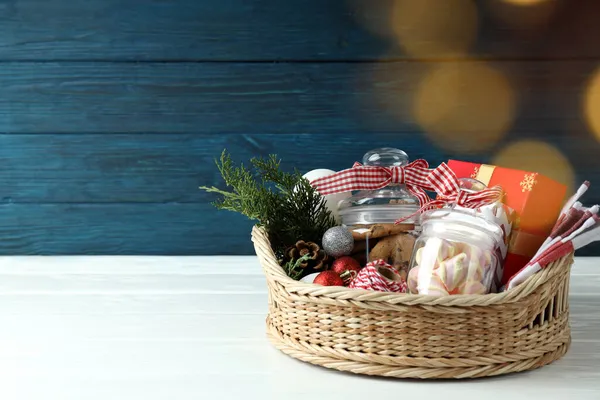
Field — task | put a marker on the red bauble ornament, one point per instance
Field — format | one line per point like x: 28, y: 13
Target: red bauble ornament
x: 328, y: 278
x: 346, y: 263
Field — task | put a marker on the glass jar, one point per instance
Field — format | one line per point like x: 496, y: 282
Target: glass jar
x: 457, y: 253
x: 371, y: 214
x: 497, y: 213
x: 385, y: 205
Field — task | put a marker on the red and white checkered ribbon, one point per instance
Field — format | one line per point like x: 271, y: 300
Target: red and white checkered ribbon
x: 445, y: 183
x: 361, y: 177
x: 418, y: 178
x: 370, y: 278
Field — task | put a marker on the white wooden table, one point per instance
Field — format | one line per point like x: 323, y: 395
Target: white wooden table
x: 193, y: 328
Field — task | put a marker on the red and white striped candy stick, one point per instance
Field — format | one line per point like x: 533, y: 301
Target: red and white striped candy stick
x: 573, y: 199
x: 570, y: 205
x: 587, y: 237
x: 576, y: 230
x: 567, y: 224
x: 558, y: 249
x: 569, y: 209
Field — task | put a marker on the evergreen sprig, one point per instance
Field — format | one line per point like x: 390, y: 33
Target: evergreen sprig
x: 284, y: 203
x: 292, y: 267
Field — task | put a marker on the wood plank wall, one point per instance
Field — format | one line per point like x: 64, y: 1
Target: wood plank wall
x: 111, y: 111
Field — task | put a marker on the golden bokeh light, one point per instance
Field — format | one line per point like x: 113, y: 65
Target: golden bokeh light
x: 465, y: 107
x: 537, y: 156
x: 529, y: 16
x: 525, y: 2
x: 434, y: 28
x: 592, y: 104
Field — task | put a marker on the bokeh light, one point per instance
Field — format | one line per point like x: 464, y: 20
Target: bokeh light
x: 465, y: 107
x: 537, y: 156
x: 434, y: 28
x: 528, y: 16
x: 525, y: 2
x: 592, y: 104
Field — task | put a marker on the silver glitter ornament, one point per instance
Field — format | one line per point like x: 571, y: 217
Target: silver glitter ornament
x: 338, y: 241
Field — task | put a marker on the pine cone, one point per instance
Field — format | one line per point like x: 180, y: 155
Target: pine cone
x: 318, y: 258
x: 321, y: 261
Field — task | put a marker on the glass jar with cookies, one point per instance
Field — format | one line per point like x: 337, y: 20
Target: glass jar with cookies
x: 371, y: 214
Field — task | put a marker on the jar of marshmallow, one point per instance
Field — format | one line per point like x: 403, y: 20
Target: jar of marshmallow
x: 458, y: 252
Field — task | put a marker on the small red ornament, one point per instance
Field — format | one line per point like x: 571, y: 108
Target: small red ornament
x: 345, y: 263
x: 328, y: 278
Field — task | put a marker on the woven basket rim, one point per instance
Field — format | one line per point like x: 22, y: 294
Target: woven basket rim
x: 275, y: 273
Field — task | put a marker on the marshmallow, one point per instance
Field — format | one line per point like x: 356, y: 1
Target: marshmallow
x: 448, y: 250
x: 479, y: 261
x: 444, y: 249
x: 419, y: 256
x: 473, y: 287
x: 453, y: 271
x: 435, y: 287
x: 444, y: 268
x: 412, y: 280
x: 474, y: 272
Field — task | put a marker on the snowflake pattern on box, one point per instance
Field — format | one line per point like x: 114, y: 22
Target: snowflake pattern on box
x: 475, y: 173
x: 528, y: 182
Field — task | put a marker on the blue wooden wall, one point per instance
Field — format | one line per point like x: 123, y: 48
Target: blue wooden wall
x: 111, y: 111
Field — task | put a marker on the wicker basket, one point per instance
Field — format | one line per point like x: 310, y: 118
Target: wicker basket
x: 416, y: 336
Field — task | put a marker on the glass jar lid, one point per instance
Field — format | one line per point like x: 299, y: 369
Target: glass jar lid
x: 463, y: 225
x: 385, y: 205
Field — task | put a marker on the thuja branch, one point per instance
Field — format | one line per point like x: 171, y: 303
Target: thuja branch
x: 284, y: 203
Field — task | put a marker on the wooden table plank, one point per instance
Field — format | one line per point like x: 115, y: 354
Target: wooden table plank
x: 126, y: 265
x: 225, y: 98
x: 97, y: 332
x: 291, y: 30
x: 121, y: 228
x: 159, y: 168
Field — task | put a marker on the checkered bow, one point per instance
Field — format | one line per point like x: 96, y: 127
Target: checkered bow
x: 446, y: 185
x: 361, y: 177
x: 418, y: 178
